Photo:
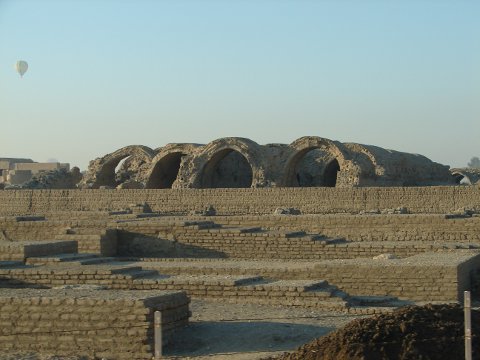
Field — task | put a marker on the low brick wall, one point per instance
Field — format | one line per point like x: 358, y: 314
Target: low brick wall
x: 20, y: 250
x: 175, y: 238
x: 425, y: 277
x: 435, y: 199
x: 93, y: 240
x: 367, y: 235
x: 222, y: 244
x: 398, y: 227
x: 53, y: 275
x: 405, y: 227
x: 440, y: 276
x: 110, y: 324
x: 31, y: 230
x: 92, y: 235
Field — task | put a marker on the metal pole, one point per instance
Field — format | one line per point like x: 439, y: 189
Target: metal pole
x: 468, y: 325
x: 157, y: 325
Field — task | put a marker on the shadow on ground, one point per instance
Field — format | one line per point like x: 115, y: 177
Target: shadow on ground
x: 210, y: 338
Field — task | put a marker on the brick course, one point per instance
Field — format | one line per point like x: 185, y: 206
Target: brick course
x: 431, y: 200
x: 114, y: 325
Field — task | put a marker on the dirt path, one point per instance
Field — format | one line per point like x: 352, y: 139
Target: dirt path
x: 220, y: 330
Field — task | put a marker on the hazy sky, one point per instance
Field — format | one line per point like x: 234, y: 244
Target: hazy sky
x: 104, y: 74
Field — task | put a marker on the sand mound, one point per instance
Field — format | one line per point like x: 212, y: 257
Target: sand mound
x: 410, y: 333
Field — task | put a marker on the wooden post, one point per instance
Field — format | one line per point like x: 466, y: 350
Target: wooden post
x: 157, y: 323
x: 468, y: 325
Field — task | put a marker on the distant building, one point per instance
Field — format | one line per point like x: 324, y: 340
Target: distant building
x: 18, y: 171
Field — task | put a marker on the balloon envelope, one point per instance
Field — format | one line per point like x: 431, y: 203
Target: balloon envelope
x: 21, y: 67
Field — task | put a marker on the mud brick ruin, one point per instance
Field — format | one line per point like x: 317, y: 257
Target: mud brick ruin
x: 242, y: 163
x: 316, y: 223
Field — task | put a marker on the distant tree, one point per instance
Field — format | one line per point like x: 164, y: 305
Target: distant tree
x: 474, y: 162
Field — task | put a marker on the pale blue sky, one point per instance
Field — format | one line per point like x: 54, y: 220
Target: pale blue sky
x: 104, y: 74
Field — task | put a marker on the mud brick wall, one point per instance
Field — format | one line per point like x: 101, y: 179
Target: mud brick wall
x: 22, y: 250
x: 215, y: 243
x: 92, y: 235
x: 11, y: 251
x: 51, y: 276
x: 381, y: 227
x: 31, y: 230
x: 100, y: 324
x: 410, y: 283
x: 467, y: 276
x: 405, y: 227
x: 291, y: 293
x: 426, y: 277
x: 93, y: 240
x: 245, y: 201
x: 178, y: 267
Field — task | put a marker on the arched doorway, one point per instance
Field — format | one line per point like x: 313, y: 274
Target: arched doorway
x: 312, y: 167
x: 227, y: 168
x: 165, y: 171
x: 115, y: 168
x: 113, y: 171
x: 330, y: 173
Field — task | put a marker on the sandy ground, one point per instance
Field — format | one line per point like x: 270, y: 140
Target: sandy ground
x: 220, y: 330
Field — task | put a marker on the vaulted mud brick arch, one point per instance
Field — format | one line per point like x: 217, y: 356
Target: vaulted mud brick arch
x: 107, y: 166
x: 165, y: 171
x: 235, y: 162
x: 227, y: 168
x: 315, y: 163
x: 313, y: 168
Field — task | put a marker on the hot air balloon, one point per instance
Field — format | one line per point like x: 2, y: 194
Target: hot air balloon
x: 21, y: 67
